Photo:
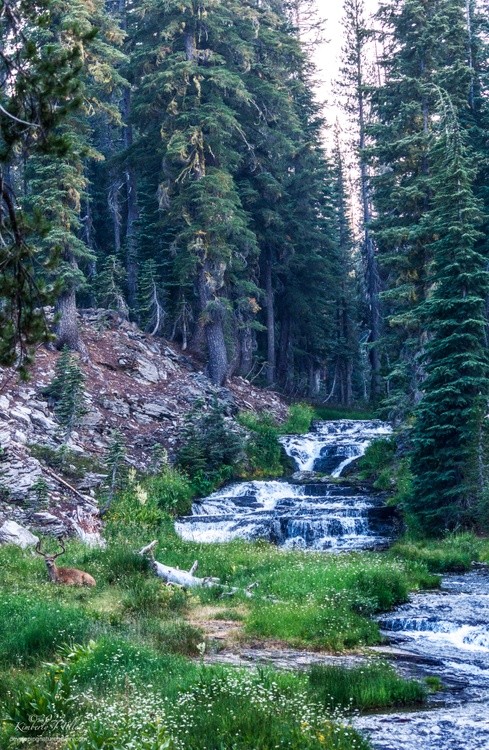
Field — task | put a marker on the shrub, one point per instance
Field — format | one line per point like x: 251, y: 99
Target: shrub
x: 172, y: 491
x: 363, y: 688
x: 39, y: 710
x: 134, y: 506
x: 150, y: 596
x: 376, y: 463
x: 212, y: 448
x: 299, y: 421
x: 67, y: 392
x: 263, y: 451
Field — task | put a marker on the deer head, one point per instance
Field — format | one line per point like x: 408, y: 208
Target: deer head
x: 68, y: 576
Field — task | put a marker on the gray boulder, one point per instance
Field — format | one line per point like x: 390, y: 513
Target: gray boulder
x: 13, y: 533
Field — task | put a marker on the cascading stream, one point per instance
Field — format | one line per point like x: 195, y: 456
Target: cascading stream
x: 313, y: 514
x: 444, y: 634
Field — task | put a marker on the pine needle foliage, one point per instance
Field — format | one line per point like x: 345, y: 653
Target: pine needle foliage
x: 67, y: 392
x: 447, y: 459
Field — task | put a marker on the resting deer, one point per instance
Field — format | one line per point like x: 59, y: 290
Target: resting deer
x: 68, y: 576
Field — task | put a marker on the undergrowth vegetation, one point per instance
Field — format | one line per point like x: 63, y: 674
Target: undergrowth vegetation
x: 124, y: 678
x: 126, y: 659
x: 369, y: 686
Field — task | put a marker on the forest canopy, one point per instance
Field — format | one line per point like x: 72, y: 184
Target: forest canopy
x: 166, y: 159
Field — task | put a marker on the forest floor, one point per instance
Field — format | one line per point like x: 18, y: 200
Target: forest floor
x: 141, y: 665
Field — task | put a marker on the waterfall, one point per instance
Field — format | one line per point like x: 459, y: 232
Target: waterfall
x: 317, y: 514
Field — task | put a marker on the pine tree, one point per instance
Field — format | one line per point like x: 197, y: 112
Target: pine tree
x: 67, y: 391
x: 190, y: 94
x: 355, y: 84
x: 109, y: 286
x: 347, y: 367
x: 41, y: 87
x: 425, y: 47
x: 446, y: 459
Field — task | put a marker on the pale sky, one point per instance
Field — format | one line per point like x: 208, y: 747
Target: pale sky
x: 328, y: 54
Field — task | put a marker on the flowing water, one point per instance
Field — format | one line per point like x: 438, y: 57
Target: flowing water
x: 443, y: 634
x: 313, y: 514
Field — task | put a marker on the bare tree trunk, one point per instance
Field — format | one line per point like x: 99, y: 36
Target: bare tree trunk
x: 213, y: 312
x: 314, y: 379
x: 67, y: 330
x: 247, y: 346
x: 270, y: 305
x: 87, y: 223
x: 115, y: 212
x: 132, y: 217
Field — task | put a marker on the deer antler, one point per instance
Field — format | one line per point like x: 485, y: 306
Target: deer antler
x: 38, y: 549
x: 63, y: 548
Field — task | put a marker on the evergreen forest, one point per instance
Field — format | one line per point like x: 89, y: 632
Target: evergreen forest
x: 171, y: 160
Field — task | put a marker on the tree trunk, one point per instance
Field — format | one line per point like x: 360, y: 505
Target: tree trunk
x: 270, y: 305
x: 132, y: 217
x: 67, y: 330
x: 314, y: 379
x: 213, y: 314
x: 115, y: 212
x: 283, y: 367
x: 247, y: 346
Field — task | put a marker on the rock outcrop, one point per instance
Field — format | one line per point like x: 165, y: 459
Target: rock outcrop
x: 135, y: 383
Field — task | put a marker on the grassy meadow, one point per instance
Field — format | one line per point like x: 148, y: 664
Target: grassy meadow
x: 121, y: 666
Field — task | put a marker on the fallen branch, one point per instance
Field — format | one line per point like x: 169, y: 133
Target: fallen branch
x: 65, y: 483
x: 175, y: 575
x: 187, y: 579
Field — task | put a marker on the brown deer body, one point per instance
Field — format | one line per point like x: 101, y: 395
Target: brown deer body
x: 66, y: 576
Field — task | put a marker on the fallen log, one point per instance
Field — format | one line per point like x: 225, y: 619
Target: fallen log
x: 184, y: 578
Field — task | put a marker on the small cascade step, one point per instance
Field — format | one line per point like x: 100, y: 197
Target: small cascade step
x: 321, y: 515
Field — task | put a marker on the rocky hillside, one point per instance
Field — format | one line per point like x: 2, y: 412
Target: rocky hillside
x: 135, y: 383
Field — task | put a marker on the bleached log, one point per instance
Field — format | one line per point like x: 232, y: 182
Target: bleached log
x: 175, y: 575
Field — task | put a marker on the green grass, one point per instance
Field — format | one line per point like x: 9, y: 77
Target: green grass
x: 364, y: 688
x: 117, y: 694
x: 317, y: 626
x: 455, y: 553
x: 31, y: 630
x: 142, y: 639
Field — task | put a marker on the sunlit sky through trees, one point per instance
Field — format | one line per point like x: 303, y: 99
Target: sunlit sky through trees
x: 329, y: 52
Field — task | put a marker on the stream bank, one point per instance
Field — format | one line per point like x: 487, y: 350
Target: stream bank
x: 442, y: 634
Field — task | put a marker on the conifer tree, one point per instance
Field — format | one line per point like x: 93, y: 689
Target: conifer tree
x: 109, y: 286
x: 355, y: 84
x: 425, y: 47
x: 67, y: 392
x: 40, y: 89
x: 447, y: 459
x: 190, y: 94
x: 347, y: 367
